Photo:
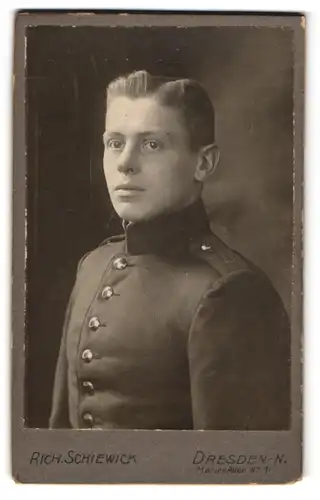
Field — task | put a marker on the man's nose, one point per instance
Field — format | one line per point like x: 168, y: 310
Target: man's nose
x: 127, y: 160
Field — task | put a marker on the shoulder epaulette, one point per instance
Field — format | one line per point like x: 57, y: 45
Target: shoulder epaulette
x: 112, y: 239
x: 219, y: 256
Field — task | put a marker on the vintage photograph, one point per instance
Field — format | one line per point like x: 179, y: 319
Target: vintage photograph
x: 160, y: 228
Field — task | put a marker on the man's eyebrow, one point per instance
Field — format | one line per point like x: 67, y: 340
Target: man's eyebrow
x: 107, y: 133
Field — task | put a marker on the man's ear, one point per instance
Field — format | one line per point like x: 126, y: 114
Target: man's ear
x: 207, y: 161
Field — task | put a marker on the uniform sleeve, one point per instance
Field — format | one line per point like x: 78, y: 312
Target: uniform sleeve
x: 239, y: 356
x: 59, y: 417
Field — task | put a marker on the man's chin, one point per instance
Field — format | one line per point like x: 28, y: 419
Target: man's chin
x: 132, y: 213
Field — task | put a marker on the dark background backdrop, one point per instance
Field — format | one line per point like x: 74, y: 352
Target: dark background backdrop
x: 248, y: 73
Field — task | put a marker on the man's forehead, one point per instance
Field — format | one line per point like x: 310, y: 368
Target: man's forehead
x: 133, y: 115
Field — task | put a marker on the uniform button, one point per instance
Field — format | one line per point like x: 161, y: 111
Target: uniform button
x: 94, y: 323
x: 119, y: 263
x: 88, y: 386
x: 88, y: 419
x: 205, y: 247
x: 87, y: 355
x: 107, y: 292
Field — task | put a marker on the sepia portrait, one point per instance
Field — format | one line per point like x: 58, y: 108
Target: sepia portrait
x: 161, y: 263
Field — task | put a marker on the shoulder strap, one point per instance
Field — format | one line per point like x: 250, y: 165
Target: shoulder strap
x: 112, y: 239
x: 219, y: 256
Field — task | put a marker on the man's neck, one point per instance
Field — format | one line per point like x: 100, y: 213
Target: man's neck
x: 167, y: 233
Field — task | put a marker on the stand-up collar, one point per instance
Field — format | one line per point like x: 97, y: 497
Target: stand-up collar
x: 167, y: 234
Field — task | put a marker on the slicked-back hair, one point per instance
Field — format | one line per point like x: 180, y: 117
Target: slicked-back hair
x: 185, y: 95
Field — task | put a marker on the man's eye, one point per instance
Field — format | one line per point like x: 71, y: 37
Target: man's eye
x: 114, y: 144
x: 152, y: 145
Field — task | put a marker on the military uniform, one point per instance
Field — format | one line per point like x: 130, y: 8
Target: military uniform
x: 168, y: 328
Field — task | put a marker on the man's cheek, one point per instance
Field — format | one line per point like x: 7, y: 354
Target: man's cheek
x: 110, y: 174
x: 172, y: 158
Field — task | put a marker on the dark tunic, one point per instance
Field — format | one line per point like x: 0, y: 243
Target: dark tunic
x: 168, y: 328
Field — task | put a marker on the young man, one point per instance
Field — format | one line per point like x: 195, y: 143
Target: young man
x: 167, y: 327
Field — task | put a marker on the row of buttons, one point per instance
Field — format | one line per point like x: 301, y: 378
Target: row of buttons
x: 119, y: 263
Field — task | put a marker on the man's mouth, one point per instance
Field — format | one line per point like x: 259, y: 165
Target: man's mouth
x: 128, y: 188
